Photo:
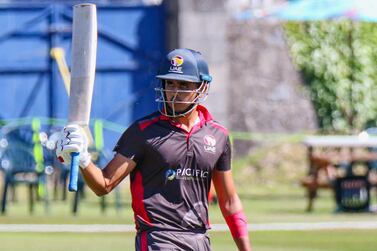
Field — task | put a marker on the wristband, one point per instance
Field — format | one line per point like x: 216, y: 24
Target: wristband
x: 85, y: 160
x: 237, y: 224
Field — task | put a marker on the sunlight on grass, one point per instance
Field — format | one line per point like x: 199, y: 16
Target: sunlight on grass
x: 345, y: 240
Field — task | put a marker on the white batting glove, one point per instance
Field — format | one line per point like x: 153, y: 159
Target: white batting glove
x: 73, y: 139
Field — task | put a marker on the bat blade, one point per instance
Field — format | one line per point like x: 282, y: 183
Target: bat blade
x: 84, y: 50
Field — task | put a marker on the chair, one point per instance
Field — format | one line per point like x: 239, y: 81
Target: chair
x: 21, y: 161
x: 18, y: 165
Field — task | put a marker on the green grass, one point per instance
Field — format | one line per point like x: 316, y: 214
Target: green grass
x: 262, y: 204
x: 345, y: 240
x: 262, y: 241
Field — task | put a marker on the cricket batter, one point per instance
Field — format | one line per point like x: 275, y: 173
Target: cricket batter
x: 171, y: 156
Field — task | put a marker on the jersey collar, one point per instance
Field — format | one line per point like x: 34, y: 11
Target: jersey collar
x: 204, y: 116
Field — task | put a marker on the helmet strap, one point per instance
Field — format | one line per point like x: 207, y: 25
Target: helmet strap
x: 170, y: 112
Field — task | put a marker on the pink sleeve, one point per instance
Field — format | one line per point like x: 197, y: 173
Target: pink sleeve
x: 237, y: 224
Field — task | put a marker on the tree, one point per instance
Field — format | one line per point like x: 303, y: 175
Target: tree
x: 338, y: 62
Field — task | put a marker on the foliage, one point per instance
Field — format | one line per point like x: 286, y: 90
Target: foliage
x: 273, y: 166
x: 338, y: 60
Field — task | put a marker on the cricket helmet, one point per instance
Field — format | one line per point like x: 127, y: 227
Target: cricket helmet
x: 182, y: 65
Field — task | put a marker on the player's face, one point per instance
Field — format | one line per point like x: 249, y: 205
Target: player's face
x: 180, y: 94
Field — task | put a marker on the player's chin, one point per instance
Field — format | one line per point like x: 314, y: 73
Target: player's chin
x: 180, y: 107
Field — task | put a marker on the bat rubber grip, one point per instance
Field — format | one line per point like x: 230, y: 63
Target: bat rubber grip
x: 73, y: 175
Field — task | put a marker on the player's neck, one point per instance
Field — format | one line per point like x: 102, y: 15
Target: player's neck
x: 188, y: 121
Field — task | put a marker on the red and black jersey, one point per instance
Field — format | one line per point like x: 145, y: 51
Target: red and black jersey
x: 172, y: 178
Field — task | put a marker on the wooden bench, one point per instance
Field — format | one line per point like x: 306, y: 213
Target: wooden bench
x: 323, y: 164
x: 319, y: 177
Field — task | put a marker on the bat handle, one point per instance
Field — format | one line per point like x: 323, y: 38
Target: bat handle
x: 74, y: 174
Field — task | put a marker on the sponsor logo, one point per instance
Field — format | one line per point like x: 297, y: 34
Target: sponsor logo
x: 209, y: 144
x: 176, y: 63
x: 185, y: 174
x: 169, y: 174
x: 188, y: 173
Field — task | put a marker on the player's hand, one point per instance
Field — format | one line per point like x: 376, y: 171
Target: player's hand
x: 72, y: 139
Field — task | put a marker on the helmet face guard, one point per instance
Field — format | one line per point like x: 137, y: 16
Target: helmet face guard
x: 182, y: 65
x: 167, y: 107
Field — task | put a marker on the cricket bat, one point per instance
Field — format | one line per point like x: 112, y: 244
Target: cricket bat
x: 84, y: 46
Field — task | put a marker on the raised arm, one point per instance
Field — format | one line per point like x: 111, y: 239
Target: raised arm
x: 104, y: 181
x: 73, y: 139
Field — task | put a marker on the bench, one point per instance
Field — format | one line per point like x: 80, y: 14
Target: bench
x: 318, y: 177
x: 324, y: 164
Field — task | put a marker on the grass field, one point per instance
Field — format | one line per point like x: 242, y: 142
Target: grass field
x: 262, y: 241
x: 261, y: 206
x: 285, y: 203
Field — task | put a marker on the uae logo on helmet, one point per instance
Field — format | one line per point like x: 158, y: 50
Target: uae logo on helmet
x: 209, y: 144
x: 176, y: 63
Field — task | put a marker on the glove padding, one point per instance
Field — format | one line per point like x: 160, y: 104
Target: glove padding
x: 72, y: 139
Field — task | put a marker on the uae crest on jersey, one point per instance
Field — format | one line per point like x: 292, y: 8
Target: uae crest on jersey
x: 209, y: 144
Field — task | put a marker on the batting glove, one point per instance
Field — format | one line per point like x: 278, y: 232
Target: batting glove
x: 73, y: 139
